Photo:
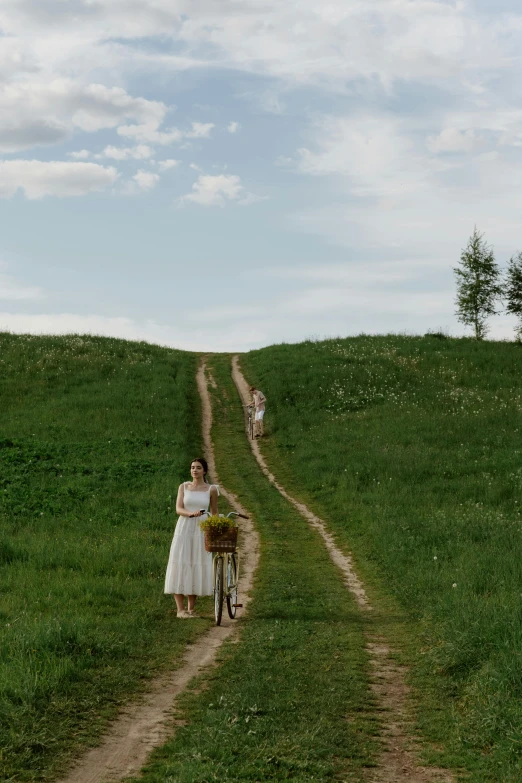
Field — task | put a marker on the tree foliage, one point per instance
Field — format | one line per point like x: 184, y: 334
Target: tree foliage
x: 513, y: 290
x: 478, y: 285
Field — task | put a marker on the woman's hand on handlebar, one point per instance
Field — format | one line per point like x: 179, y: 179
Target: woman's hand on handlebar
x: 197, y: 513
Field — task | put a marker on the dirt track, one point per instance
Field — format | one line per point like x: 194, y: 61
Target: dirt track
x: 398, y: 762
x: 147, y: 724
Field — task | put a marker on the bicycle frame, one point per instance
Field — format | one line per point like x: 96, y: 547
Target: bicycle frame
x: 250, y: 420
x: 225, y: 577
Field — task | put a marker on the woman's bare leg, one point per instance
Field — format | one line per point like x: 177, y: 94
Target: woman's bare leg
x: 179, y: 598
x: 191, y: 602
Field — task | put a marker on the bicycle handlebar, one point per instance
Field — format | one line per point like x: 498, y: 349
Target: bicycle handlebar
x: 230, y: 514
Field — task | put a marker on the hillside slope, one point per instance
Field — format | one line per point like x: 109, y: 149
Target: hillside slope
x: 95, y: 436
x: 410, y: 447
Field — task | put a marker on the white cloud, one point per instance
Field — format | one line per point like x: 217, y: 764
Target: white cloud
x: 35, y: 113
x: 79, y: 154
x: 233, y: 127
x: 200, y: 130
x: 389, y: 194
x: 146, y: 180
x: 216, y: 191
x: 140, y: 152
x: 150, y: 133
x: 251, y: 198
x: 53, y: 178
x: 195, y: 339
x: 299, y: 42
x: 166, y: 165
x: 453, y: 140
x: 19, y: 135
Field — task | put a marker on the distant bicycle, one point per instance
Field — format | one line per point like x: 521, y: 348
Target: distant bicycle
x: 251, y: 417
x: 225, y: 570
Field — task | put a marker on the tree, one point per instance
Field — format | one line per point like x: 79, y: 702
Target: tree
x: 513, y: 290
x: 478, y: 286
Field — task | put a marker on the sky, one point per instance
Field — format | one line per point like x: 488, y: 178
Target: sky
x: 227, y: 174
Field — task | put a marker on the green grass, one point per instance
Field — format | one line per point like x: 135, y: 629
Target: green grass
x: 291, y: 700
x: 95, y: 436
x: 411, y: 449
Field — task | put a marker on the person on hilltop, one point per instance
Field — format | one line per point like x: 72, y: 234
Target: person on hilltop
x: 259, y: 400
x: 189, y: 570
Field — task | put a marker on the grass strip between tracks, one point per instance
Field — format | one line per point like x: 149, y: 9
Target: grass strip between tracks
x: 291, y: 700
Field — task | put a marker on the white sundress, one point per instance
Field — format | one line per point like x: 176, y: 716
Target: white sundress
x: 189, y: 570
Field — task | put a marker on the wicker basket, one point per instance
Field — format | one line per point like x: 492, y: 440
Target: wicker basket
x: 225, y: 542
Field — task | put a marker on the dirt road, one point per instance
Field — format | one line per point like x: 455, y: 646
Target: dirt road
x: 146, y: 725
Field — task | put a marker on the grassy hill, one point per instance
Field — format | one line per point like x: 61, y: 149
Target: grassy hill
x: 95, y: 436
x: 411, y: 448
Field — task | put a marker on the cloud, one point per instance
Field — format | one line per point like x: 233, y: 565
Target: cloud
x: 166, y: 165
x: 140, y: 152
x: 172, y: 335
x: 453, y: 140
x: 146, y: 180
x: 18, y: 137
x: 79, y: 154
x: 233, y: 127
x: 390, y: 195
x: 216, y: 191
x: 35, y: 113
x: 149, y: 132
x: 298, y: 42
x: 371, y: 152
x: 53, y: 178
x: 200, y: 130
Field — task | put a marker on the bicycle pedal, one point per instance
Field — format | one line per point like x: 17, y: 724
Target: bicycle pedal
x: 238, y: 606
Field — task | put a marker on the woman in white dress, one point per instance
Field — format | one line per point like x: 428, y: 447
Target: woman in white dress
x: 189, y: 570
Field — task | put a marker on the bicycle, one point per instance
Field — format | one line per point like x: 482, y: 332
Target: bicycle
x: 226, y: 563
x: 251, y: 417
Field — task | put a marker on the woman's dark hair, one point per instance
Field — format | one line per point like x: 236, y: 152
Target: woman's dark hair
x: 203, y: 462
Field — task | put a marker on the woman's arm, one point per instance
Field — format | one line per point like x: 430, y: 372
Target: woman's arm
x: 180, y: 508
x: 213, y: 500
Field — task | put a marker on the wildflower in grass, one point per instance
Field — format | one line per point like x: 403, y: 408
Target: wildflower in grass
x: 454, y: 585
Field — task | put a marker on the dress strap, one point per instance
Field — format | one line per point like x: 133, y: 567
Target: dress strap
x: 216, y: 487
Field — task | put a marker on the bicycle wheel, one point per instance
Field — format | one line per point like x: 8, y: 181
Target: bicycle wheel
x: 218, y: 589
x: 251, y: 427
x: 232, y: 574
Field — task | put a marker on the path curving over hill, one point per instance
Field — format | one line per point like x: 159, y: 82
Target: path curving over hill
x: 146, y: 725
x: 398, y: 762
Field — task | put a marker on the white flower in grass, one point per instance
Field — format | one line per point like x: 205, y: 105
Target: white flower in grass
x: 434, y: 557
x: 454, y: 584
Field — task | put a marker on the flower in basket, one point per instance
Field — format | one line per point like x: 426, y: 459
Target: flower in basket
x: 217, y: 525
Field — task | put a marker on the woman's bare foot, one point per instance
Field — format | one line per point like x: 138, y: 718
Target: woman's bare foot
x: 183, y: 615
